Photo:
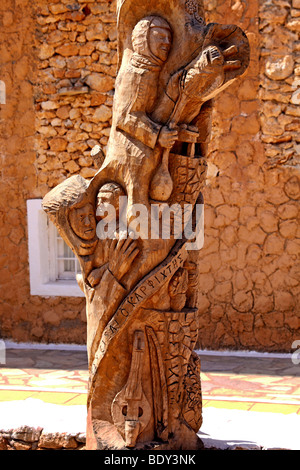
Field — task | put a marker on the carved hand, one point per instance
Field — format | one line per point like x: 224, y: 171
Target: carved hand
x: 167, y: 137
x: 95, y: 276
x: 122, y: 253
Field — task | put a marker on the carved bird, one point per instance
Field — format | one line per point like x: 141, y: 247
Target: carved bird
x: 224, y: 56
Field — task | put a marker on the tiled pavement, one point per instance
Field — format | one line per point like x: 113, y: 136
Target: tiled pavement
x: 250, y: 399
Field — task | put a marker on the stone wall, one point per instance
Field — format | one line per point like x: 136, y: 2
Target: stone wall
x: 24, y: 317
x: 62, y: 57
x: 77, y: 67
x: 32, y: 438
x: 249, y: 275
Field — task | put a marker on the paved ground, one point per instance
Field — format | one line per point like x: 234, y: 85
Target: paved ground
x: 251, y: 401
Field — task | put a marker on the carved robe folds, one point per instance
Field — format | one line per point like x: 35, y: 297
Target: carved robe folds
x: 142, y: 291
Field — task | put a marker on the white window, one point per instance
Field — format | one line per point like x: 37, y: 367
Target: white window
x: 52, y: 264
x: 62, y: 262
x: 2, y: 92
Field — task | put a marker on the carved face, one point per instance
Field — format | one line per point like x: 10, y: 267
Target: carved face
x: 83, y: 222
x: 104, y: 201
x: 109, y: 195
x: 160, y: 40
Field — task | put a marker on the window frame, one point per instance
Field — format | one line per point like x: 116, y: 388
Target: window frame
x: 42, y: 249
x: 2, y: 92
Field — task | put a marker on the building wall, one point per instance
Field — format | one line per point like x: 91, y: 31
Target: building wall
x: 58, y: 60
x: 24, y: 317
x: 250, y: 269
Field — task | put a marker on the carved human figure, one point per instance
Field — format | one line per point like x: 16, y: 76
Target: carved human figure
x: 103, y: 262
x: 151, y: 42
x: 107, y: 210
x: 136, y: 138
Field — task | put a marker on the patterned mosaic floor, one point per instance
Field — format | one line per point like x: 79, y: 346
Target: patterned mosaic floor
x: 245, y: 387
x: 243, y: 383
x: 58, y: 377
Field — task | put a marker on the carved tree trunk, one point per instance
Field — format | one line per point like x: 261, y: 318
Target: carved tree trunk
x: 141, y: 285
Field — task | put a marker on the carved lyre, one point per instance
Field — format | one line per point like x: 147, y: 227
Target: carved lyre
x: 130, y: 409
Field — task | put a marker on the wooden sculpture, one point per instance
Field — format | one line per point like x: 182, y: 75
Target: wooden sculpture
x: 141, y: 286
